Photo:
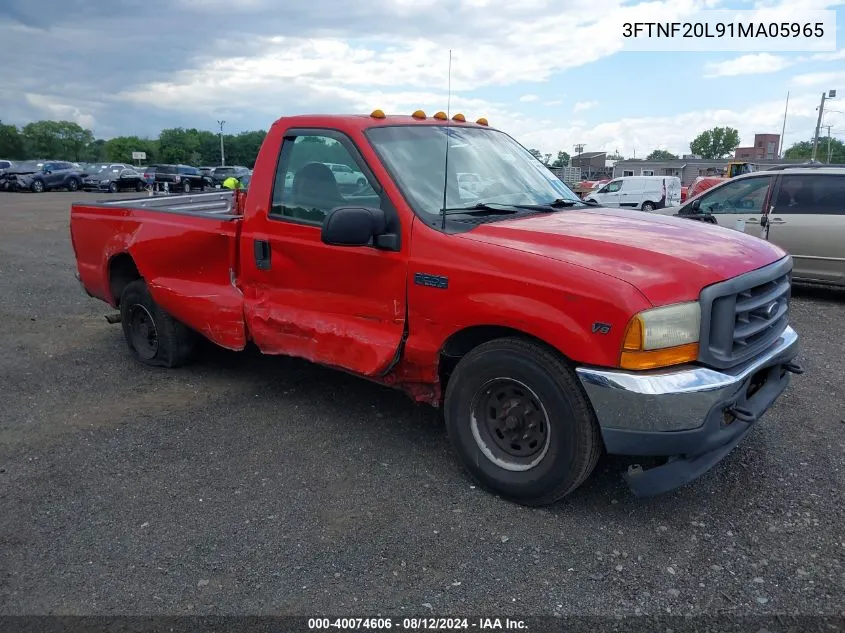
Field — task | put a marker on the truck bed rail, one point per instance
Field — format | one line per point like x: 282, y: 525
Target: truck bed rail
x: 217, y: 203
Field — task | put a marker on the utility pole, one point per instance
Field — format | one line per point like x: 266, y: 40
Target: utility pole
x: 222, y: 154
x: 828, y: 142
x: 783, y: 131
x: 579, y: 148
x: 830, y: 95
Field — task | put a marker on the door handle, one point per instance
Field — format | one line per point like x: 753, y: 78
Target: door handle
x: 261, y: 249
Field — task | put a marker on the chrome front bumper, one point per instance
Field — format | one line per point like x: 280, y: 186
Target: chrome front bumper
x: 682, y: 410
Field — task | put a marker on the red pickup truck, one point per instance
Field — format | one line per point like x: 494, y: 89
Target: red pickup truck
x: 547, y: 329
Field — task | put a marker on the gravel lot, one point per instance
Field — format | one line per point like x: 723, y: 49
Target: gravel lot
x: 248, y: 484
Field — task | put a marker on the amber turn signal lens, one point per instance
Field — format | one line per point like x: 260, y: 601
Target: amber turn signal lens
x: 653, y: 359
x: 634, y: 336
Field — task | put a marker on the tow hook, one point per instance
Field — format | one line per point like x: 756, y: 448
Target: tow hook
x: 794, y: 368
x: 741, y: 413
x: 113, y: 318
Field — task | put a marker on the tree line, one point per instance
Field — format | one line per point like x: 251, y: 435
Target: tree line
x: 66, y: 140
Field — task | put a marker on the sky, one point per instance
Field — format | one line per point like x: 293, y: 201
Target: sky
x: 552, y: 73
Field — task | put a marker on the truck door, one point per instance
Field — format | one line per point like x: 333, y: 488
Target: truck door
x: 739, y: 204
x: 335, y: 305
x: 807, y: 220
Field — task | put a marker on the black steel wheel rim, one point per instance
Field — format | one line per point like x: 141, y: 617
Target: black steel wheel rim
x: 143, y: 332
x: 510, y: 424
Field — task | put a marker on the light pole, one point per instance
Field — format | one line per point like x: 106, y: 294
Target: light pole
x: 831, y: 94
x: 222, y: 154
x: 579, y: 148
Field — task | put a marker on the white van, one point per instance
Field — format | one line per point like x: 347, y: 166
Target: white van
x: 645, y: 193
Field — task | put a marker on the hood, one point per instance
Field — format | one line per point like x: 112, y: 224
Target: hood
x: 20, y: 171
x: 667, y: 259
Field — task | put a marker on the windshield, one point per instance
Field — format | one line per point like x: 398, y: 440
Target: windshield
x: 29, y: 165
x: 483, y: 166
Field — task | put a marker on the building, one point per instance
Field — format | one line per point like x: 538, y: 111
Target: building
x: 592, y: 164
x: 686, y: 169
x: 765, y: 147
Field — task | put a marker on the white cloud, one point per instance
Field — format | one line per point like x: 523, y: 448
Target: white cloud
x: 582, y: 106
x: 829, y: 57
x: 528, y: 98
x: 55, y: 109
x: 753, y: 64
x: 826, y: 80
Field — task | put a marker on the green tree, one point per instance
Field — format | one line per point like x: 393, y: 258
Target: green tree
x: 661, y: 154
x: 63, y: 140
x: 536, y: 153
x: 804, y: 150
x: 715, y: 143
x: 120, y: 148
x: 562, y: 159
x: 11, y: 142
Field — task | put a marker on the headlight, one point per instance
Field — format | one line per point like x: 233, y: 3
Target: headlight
x: 105, y: 181
x: 661, y: 337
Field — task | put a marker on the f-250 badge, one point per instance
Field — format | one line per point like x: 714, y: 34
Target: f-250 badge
x: 601, y: 328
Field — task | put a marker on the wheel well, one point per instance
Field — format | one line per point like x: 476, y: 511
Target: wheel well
x: 464, y: 341
x: 122, y: 272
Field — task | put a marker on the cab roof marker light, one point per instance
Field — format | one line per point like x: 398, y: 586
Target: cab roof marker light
x: 419, y: 114
x: 459, y: 117
x: 441, y: 116
x: 482, y: 121
x: 377, y: 114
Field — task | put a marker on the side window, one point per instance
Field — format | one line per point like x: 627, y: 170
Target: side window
x: 821, y: 194
x: 305, y: 186
x: 747, y: 196
x: 613, y: 187
x: 647, y: 172
x: 628, y: 172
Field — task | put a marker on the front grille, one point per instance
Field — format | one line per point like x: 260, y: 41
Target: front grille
x: 743, y: 316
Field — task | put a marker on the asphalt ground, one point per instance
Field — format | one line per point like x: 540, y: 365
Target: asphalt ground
x: 261, y: 485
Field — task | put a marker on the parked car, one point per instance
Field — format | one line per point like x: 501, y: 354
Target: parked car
x: 4, y: 165
x: 645, y: 193
x: 115, y: 178
x: 95, y: 172
x: 179, y: 178
x: 345, y: 176
x: 549, y: 330
x: 800, y: 209
x: 219, y: 174
x: 39, y: 176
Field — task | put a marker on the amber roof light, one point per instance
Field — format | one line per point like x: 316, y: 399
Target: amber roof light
x: 459, y: 117
x: 377, y: 114
x: 419, y: 114
x: 482, y: 121
x: 441, y: 116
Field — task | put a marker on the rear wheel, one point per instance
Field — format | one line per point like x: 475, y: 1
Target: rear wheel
x: 186, y: 187
x: 113, y: 187
x: 520, y: 422
x: 72, y: 184
x: 154, y: 337
x: 139, y: 186
x: 648, y: 206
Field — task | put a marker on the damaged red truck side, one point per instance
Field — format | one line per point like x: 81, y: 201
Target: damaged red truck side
x: 548, y: 329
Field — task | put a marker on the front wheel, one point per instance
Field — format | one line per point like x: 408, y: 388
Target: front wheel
x: 520, y: 422
x: 113, y: 187
x: 139, y: 186
x: 37, y: 186
x: 72, y: 184
x: 154, y: 337
x: 186, y: 187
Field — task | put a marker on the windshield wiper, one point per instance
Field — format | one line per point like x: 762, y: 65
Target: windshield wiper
x: 560, y: 203
x: 482, y: 206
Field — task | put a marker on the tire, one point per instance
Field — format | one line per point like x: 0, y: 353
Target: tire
x: 169, y: 344
x: 186, y: 187
x: 564, y: 456
x: 72, y: 184
x: 139, y: 186
x: 361, y: 182
x: 37, y: 186
x: 112, y: 187
x: 648, y: 206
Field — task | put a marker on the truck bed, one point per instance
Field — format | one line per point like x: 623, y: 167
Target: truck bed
x: 185, y: 247
x: 217, y: 203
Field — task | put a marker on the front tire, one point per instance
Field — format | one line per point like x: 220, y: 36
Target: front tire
x: 520, y: 422
x: 113, y: 187
x: 154, y: 337
x: 72, y: 184
x: 186, y: 187
x: 37, y: 186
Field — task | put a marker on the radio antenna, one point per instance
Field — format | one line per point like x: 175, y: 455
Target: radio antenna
x: 448, y: 119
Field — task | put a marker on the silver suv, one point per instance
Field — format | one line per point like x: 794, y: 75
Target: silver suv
x: 801, y: 209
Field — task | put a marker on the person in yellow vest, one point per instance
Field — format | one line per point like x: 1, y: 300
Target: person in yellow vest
x: 231, y: 183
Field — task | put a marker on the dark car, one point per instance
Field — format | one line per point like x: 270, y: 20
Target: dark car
x: 4, y: 166
x: 219, y: 174
x: 114, y: 178
x: 38, y: 176
x: 94, y: 172
x: 182, y: 178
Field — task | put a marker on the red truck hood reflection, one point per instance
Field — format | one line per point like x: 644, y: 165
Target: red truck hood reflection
x: 668, y: 259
